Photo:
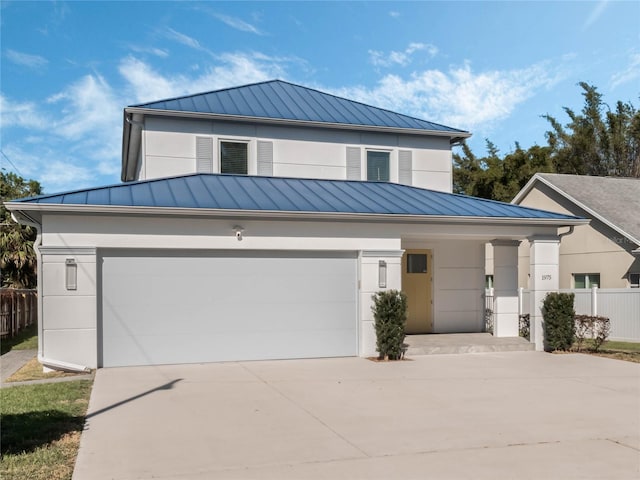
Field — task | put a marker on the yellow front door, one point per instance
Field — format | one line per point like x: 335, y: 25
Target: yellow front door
x: 417, y: 276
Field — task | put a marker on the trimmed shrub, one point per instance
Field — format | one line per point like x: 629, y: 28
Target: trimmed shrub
x: 558, y: 313
x: 591, y: 327
x: 390, y: 314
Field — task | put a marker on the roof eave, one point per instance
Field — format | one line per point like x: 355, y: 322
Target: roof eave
x: 457, y: 135
x: 222, y: 213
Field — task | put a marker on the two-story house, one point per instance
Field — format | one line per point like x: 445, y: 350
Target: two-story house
x: 257, y: 222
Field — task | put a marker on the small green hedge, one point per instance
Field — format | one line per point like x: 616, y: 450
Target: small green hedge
x: 558, y: 313
x: 390, y: 314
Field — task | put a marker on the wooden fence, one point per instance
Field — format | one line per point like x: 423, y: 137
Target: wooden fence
x: 18, y: 310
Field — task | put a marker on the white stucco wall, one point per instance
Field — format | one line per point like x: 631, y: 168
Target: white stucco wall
x: 458, y: 283
x: 70, y: 319
x: 168, y: 149
x: 71, y: 331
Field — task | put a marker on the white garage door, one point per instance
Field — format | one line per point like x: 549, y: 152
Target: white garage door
x: 163, y: 307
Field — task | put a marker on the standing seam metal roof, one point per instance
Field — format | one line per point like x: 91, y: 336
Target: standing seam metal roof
x: 277, y: 99
x: 241, y: 192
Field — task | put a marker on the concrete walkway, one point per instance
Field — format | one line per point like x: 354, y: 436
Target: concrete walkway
x: 446, y: 343
x: 13, y: 361
x: 521, y: 415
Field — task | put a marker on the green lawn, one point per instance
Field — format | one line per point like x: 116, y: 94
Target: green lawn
x: 41, y: 427
x: 25, y: 340
x: 628, y: 351
x: 621, y: 346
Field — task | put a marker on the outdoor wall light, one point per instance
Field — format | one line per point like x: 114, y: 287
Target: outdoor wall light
x: 71, y: 274
x: 382, y: 274
x: 238, y: 232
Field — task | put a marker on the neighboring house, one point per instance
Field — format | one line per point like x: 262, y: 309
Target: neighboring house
x: 256, y: 223
x: 604, y: 253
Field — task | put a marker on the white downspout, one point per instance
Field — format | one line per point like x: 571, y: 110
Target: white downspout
x: 20, y: 217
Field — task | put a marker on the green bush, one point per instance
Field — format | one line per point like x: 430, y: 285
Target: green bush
x: 390, y: 314
x: 558, y: 313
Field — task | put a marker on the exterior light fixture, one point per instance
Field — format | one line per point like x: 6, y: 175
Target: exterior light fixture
x: 382, y: 274
x: 71, y: 274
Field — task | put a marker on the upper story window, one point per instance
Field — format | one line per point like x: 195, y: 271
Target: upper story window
x: 586, y: 280
x: 634, y: 280
x: 233, y: 157
x: 377, y: 166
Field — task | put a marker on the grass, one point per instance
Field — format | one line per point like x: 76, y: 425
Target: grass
x: 32, y: 370
x: 25, y: 340
x: 627, y: 351
x: 41, y: 427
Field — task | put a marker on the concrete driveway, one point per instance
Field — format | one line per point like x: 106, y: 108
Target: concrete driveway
x: 522, y: 415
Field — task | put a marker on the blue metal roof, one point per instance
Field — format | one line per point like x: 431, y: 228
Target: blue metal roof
x: 277, y: 99
x: 273, y: 194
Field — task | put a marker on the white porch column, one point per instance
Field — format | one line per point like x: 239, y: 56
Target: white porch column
x: 544, y: 274
x: 505, y: 285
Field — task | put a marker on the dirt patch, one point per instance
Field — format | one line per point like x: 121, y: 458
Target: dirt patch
x: 32, y: 370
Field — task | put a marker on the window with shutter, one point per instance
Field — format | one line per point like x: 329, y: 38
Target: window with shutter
x: 265, y: 158
x: 405, y: 167
x: 233, y: 157
x: 377, y: 166
x: 353, y: 163
x: 204, y: 154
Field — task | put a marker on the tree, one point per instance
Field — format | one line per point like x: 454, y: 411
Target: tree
x: 597, y: 141
x: 498, y: 178
x: 17, y: 257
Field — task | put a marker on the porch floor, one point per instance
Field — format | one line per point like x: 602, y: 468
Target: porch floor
x: 441, y: 343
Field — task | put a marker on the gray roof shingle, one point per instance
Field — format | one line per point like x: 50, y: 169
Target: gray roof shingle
x: 614, y: 199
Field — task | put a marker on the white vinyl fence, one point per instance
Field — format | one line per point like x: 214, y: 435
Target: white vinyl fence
x: 620, y: 305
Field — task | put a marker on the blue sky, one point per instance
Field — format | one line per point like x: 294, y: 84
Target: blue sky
x: 69, y: 68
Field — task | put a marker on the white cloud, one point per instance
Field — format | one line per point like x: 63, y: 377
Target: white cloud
x: 55, y: 170
x: 89, y: 105
x: 402, y: 58
x: 73, y: 137
x: 595, y: 14
x: 237, y: 23
x: 394, y: 14
x: 158, y: 52
x: 460, y: 97
x: 183, y: 39
x: 61, y: 176
x: 20, y: 114
x: 147, y: 84
x: 631, y: 73
x: 26, y: 59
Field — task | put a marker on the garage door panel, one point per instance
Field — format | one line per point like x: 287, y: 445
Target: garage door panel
x: 188, y: 309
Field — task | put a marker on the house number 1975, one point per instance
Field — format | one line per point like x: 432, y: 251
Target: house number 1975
x: 546, y: 277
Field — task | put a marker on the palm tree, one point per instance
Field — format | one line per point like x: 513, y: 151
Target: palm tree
x: 17, y: 257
